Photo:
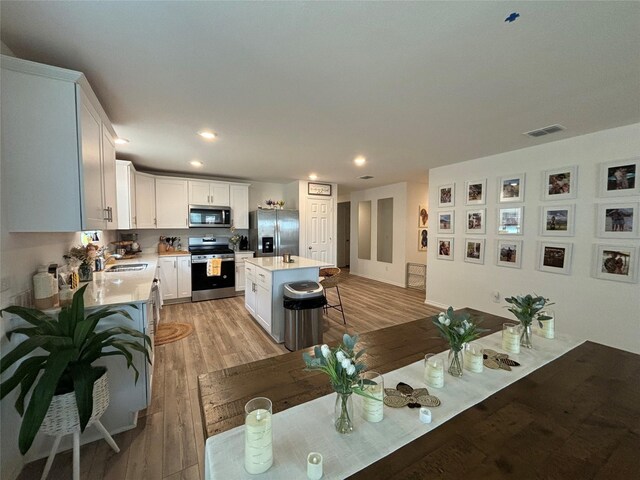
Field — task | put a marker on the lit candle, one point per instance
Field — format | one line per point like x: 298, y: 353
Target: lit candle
x: 258, y: 444
x: 314, y: 466
x: 434, y: 371
x: 373, y: 408
x: 511, y: 337
x: 473, y: 358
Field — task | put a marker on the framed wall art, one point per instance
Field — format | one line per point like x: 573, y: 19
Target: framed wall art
x: 555, y: 257
x: 560, y: 183
x: 616, y: 262
x: 423, y: 216
x: 557, y: 221
x: 446, y: 221
x: 474, y: 250
x: 510, y: 220
x: 447, y: 195
x: 323, y: 189
x: 423, y: 239
x: 619, y: 178
x: 476, y: 221
x: 445, y: 248
x: 475, y: 192
x: 509, y: 253
x: 511, y: 188
x: 617, y: 220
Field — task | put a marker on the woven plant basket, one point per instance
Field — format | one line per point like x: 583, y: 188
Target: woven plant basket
x: 62, y: 417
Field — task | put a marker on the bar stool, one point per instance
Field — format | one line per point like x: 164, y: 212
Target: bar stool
x: 331, y: 280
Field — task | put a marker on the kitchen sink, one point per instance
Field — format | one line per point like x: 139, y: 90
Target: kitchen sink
x: 130, y: 267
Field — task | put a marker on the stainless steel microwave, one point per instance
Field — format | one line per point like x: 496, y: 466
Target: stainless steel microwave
x: 207, y: 216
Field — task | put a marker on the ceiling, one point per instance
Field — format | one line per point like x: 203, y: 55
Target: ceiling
x: 294, y: 88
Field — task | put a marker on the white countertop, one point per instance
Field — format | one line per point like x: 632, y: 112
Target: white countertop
x: 122, y: 287
x: 275, y: 263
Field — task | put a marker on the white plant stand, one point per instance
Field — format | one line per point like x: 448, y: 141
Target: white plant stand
x: 62, y: 419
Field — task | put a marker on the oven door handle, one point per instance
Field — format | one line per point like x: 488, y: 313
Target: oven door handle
x: 195, y: 262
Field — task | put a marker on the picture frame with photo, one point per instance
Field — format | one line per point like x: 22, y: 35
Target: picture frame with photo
x: 557, y: 221
x: 509, y: 253
x: 616, y: 262
x: 555, y: 257
x: 447, y: 195
x: 475, y: 221
x: 474, y: 250
x: 617, y: 220
x: 446, y: 221
x: 423, y: 239
x: 560, y: 183
x: 511, y: 188
x: 619, y: 178
x: 475, y: 192
x: 510, y: 220
x: 423, y: 216
x: 445, y: 248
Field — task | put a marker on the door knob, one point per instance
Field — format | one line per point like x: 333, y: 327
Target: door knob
x: 309, y: 248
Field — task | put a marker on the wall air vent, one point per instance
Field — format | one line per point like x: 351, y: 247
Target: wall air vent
x: 545, y: 131
x: 365, y: 177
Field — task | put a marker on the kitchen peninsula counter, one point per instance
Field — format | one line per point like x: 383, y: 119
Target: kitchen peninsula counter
x: 273, y: 264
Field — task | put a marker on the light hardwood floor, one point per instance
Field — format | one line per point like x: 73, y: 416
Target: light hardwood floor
x: 168, y: 442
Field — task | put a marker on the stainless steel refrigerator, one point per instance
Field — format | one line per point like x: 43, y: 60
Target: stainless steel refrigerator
x: 273, y: 232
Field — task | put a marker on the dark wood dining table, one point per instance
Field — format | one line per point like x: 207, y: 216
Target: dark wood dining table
x: 576, y: 417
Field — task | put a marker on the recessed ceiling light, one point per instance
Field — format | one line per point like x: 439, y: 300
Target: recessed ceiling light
x: 207, y: 135
x: 121, y: 141
x: 196, y: 163
x: 313, y: 176
x: 360, y: 160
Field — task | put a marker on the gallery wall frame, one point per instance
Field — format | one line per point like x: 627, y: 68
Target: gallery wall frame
x: 511, y: 188
x: 475, y: 192
x: 617, y: 220
x: 474, y: 250
x: 476, y: 221
x: 423, y: 239
x: 445, y: 248
x: 423, y: 216
x: 510, y: 220
x: 447, y: 195
x: 555, y: 257
x: 446, y: 221
x: 557, y: 220
x: 618, y: 263
x: 619, y: 178
x: 560, y: 183
x: 509, y: 253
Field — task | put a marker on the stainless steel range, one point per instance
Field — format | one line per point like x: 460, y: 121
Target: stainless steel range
x: 203, y: 286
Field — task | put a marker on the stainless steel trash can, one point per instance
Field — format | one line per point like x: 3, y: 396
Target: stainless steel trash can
x: 303, y: 302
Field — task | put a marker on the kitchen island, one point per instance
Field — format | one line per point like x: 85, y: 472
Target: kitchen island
x: 265, y: 278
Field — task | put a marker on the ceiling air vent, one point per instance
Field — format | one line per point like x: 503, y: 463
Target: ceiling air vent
x: 545, y: 131
x: 365, y: 177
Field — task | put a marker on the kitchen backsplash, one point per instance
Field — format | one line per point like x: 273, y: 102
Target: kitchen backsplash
x: 148, y: 239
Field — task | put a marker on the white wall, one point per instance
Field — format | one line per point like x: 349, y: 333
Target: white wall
x: 394, y: 272
x: 259, y: 192
x: 417, y: 194
x: 604, y: 311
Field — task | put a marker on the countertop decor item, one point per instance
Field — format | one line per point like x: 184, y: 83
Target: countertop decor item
x: 404, y: 395
x: 526, y: 308
x: 457, y: 329
x: 71, y: 345
x: 344, y: 370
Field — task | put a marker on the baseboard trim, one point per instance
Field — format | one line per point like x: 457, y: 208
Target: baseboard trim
x: 401, y: 285
x: 439, y: 305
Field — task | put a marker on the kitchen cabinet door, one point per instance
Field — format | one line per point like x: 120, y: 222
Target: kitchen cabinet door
x: 133, y: 219
x: 240, y: 280
x: 109, y: 178
x: 239, y: 203
x: 168, y: 277
x: 184, y: 276
x: 199, y: 193
x: 171, y: 203
x: 250, y: 289
x: 219, y: 194
x: 145, y: 200
x: 92, y: 188
x: 263, y: 306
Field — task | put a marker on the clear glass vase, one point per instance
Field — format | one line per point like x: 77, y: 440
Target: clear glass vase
x: 85, y: 272
x: 344, y: 413
x: 525, y: 336
x: 455, y: 362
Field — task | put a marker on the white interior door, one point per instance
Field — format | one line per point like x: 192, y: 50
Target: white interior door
x: 319, y: 223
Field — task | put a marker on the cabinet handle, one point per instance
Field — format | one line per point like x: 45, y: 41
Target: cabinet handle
x: 110, y: 214
x: 105, y: 214
x: 175, y: 264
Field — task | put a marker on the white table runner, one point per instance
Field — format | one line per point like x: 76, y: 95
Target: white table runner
x: 309, y: 427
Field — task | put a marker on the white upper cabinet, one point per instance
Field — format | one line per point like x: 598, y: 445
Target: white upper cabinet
x: 239, y: 203
x: 125, y: 195
x: 171, y: 203
x: 208, y: 193
x: 145, y: 200
x: 53, y: 151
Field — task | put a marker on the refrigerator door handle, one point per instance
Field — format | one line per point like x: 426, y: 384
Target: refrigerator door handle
x: 276, y: 240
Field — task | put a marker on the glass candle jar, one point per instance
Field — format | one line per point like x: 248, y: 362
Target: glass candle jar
x: 373, y: 408
x: 433, y: 371
x: 258, y: 438
x: 548, y: 326
x: 474, y: 357
x: 511, y: 337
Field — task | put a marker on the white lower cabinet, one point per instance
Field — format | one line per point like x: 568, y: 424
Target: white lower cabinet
x: 175, y: 277
x: 263, y: 307
x: 240, y: 258
x: 250, y: 291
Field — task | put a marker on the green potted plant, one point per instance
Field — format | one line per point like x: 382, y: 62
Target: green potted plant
x: 70, y: 345
x: 526, y: 308
x: 457, y: 329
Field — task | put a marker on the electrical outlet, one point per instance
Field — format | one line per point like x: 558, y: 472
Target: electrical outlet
x: 495, y: 296
x: 5, y: 284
